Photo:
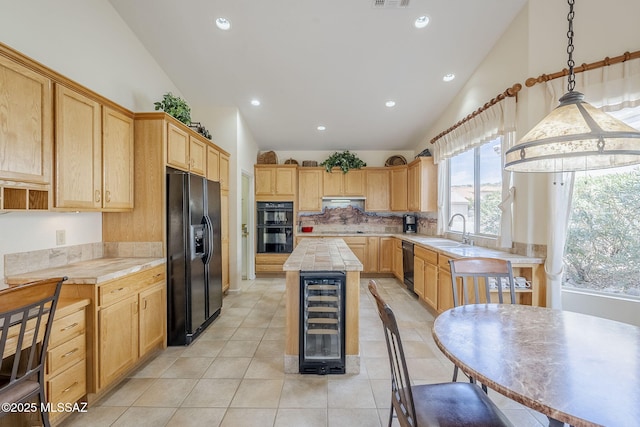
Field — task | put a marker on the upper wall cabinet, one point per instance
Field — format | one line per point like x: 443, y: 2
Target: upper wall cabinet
x: 399, y: 188
x: 378, y: 182
x: 78, y: 151
x: 93, y: 154
x: 117, y: 160
x: 26, y: 126
x: 186, y: 152
x: 310, y: 189
x: 422, y: 185
x: 351, y: 183
x: 276, y: 182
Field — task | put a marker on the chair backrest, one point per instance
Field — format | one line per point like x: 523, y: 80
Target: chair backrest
x: 401, y: 395
x: 479, y: 277
x: 26, y: 318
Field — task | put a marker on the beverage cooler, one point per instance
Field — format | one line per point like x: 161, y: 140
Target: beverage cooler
x: 322, y: 322
x: 275, y: 227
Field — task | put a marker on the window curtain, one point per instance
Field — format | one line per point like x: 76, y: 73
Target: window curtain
x: 497, y: 120
x: 610, y: 88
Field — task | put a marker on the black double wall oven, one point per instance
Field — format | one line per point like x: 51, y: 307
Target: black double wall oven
x: 275, y: 227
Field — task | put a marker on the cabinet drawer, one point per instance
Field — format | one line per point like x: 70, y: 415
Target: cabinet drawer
x: 66, y: 328
x: 121, y: 288
x: 354, y: 240
x: 443, y: 262
x: 65, y: 355
x: 69, y: 386
x: 426, y: 254
x: 114, y: 291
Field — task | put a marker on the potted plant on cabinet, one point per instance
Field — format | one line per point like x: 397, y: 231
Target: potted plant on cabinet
x: 344, y: 161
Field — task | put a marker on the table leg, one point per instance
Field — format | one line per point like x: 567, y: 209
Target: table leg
x: 554, y: 423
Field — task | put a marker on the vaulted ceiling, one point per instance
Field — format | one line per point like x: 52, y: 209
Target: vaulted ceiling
x: 333, y: 63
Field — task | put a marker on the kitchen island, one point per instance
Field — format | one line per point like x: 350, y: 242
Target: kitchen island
x: 331, y: 255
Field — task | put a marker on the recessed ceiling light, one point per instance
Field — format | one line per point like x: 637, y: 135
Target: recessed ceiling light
x: 421, y: 21
x: 223, y: 23
x: 321, y: 127
x: 449, y: 77
x: 255, y: 102
x: 390, y: 103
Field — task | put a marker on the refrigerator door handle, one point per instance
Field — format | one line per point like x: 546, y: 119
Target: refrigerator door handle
x: 209, y: 226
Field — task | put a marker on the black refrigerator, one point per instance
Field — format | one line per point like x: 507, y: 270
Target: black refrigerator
x: 194, y: 264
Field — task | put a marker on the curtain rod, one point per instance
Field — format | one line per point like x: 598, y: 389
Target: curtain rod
x: 532, y: 81
x: 512, y: 91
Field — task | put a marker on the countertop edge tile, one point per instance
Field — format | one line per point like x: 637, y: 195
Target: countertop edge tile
x: 91, y: 272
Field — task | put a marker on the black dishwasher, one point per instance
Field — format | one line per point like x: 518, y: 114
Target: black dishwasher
x: 407, y: 265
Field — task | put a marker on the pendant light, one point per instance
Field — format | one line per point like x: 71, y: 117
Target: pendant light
x: 575, y: 135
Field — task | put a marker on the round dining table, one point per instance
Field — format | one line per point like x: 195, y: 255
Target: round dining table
x: 574, y: 368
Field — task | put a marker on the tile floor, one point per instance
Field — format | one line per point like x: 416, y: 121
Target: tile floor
x: 232, y: 375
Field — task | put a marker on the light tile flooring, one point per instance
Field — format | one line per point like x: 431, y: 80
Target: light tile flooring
x: 232, y: 375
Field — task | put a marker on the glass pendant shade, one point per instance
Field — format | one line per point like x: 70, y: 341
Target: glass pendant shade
x: 575, y: 136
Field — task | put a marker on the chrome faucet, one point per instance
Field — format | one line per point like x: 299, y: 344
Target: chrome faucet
x: 465, y: 236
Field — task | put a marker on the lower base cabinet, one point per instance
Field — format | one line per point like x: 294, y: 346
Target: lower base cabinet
x: 66, y: 365
x: 131, y: 321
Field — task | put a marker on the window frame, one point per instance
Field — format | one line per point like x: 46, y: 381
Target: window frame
x: 476, y: 189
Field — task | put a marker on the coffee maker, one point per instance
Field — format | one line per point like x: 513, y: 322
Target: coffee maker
x: 409, y: 224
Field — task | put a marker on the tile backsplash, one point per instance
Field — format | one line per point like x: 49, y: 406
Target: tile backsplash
x: 25, y: 262
x: 350, y: 219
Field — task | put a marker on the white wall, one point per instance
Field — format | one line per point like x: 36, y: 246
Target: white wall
x: 86, y: 41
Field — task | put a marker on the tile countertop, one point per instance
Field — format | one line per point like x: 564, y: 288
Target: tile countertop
x: 448, y: 247
x: 326, y: 254
x: 90, y: 272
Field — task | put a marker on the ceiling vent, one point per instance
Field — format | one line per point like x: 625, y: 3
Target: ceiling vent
x: 390, y: 4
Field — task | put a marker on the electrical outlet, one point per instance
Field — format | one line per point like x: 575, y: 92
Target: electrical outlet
x: 61, y: 237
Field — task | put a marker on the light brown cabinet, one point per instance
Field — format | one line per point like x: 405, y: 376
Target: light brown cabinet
x: 378, y: 191
x: 184, y: 151
x: 26, y: 133
x: 276, y: 182
x: 385, y: 262
x: 213, y: 164
x: 422, y: 185
x: 310, y: 189
x: 66, y: 365
x: 78, y: 151
x: 224, y: 171
x: 338, y: 184
x: 399, y: 188
x: 398, y: 271
x: 131, y: 319
x: 117, y: 161
x: 94, y: 154
x: 425, y: 275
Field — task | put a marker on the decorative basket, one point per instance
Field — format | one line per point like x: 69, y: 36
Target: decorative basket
x: 395, y: 161
x: 291, y: 162
x: 268, y: 158
x: 309, y: 163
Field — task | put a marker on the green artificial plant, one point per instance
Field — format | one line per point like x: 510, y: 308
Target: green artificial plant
x: 175, y: 106
x: 344, y: 161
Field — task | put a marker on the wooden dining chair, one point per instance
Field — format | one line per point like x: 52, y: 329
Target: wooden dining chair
x: 26, y: 318
x: 474, y: 280
x: 443, y: 405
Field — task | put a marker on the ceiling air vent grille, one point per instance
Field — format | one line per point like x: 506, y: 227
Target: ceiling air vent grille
x: 390, y: 4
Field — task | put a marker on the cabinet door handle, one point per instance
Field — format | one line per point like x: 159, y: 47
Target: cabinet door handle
x: 107, y: 196
x: 73, y: 325
x: 98, y: 197
x: 69, y: 353
x: 145, y: 304
x: 70, y: 387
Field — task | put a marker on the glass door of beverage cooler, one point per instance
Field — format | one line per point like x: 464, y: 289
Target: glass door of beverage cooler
x: 322, y: 306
